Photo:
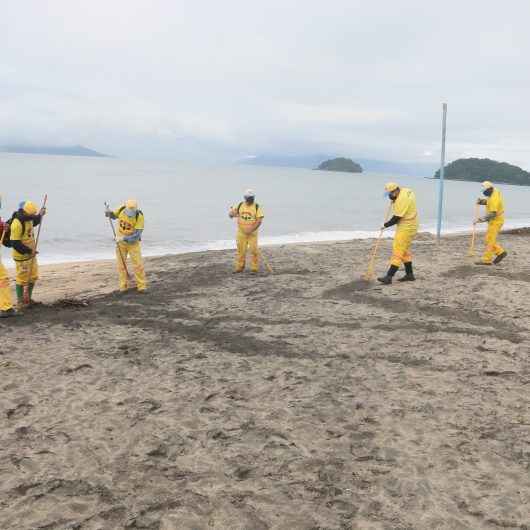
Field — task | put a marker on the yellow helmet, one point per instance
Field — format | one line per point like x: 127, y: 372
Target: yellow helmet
x: 390, y: 187
x: 131, y: 204
x: 487, y: 185
x: 29, y: 208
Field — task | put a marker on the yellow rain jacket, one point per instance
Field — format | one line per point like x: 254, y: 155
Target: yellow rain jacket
x: 27, y: 267
x: 24, y: 234
x: 494, y: 203
x: 407, y: 228
x: 128, y: 225
x: 6, y: 302
x: 247, y: 217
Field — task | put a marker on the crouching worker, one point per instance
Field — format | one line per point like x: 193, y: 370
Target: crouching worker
x: 249, y: 218
x: 129, y: 235
x: 6, y: 300
x: 22, y: 240
x: 494, y: 204
x: 405, y: 216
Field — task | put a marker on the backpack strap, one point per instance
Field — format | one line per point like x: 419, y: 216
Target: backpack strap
x: 21, y: 221
x: 255, y: 204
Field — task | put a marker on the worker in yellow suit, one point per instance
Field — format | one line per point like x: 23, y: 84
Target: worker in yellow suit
x: 23, y: 222
x: 6, y: 300
x: 405, y: 216
x: 494, y: 204
x: 129, y: 235
x: 249, y: 218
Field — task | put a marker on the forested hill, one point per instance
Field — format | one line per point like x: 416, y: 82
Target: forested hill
x: 340, y: 164
x: 480, y: 169
x: 69, y: 150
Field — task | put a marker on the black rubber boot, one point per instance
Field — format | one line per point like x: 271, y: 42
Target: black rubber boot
x: 500, y: 257
x: 387, y: 280
x: 409, y: 274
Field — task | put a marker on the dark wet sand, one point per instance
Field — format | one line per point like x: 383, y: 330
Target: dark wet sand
x: 307, y: 399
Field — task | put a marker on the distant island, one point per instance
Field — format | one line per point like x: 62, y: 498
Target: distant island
x: 340, y: 164
x: 479, y: 169
x: 310, y: 161
x: 69, y: 150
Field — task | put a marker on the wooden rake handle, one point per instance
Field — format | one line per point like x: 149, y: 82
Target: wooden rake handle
x: 266, y: 262
x: 471, y: 251
x: 122, y: 259
x: 32, y: 261
x: 370, y: 271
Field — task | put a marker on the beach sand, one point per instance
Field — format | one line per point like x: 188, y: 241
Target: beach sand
x: 302, y: 400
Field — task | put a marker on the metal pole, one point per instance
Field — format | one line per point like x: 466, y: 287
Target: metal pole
x: 441, y: 180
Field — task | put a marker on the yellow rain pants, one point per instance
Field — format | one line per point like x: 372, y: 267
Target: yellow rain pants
x: 492, y: 247
x: 23, y: 276
x: 244, y: 242
x: 405, y: 233
x: 6, y: 301
x: 134, y: 250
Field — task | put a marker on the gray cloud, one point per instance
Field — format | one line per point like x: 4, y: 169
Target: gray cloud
x: 226, y: 79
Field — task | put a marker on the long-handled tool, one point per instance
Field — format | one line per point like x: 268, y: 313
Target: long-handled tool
x: 3, y: 233
x: 4, y: 224
x: 370, y: 271
x: 123, y: 262
x: 471, y: 251
x: 266, y: 262
x: 27, y: 295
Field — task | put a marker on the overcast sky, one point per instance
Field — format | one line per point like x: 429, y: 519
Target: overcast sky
x: 225, y: 79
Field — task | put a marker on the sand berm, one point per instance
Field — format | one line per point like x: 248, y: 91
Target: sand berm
x: 301, y: 400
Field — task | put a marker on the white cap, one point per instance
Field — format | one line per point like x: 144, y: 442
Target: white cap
x: 249, y: 193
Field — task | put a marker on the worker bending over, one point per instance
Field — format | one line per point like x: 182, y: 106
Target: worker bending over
x: 6, y: 300
x: 22, y: 240
x: 249, y: 218
x: 129, y: 235
x: 494, y: 204
x: 405, y: 216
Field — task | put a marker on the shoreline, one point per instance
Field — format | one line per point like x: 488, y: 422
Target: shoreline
x: 422, y: 235
x: 88, y: 278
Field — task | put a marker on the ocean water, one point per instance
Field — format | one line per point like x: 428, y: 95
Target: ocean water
x: 186, y: 206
